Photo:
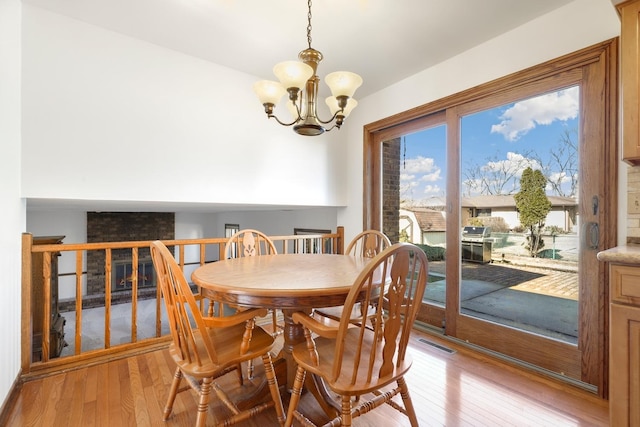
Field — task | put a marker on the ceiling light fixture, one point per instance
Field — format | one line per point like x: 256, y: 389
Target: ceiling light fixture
x: 299, y: 79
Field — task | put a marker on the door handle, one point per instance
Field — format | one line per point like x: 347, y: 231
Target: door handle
x: 592, y: 235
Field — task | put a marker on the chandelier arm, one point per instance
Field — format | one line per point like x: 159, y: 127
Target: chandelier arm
x: 338, y: 113
x: 332, y: 127
x: 281, y: 122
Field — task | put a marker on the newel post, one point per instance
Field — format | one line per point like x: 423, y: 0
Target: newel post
x: 340, y: 241
x: 25, y: 357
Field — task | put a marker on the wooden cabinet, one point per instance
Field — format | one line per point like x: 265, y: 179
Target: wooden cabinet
x: 624, y: 342
x: 630, y: 74
x: 56, y: 325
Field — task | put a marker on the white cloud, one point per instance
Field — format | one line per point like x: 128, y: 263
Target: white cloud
x: 432, y: 189
x: 421, y: 169
x: 541, y: 110
x: 559, y: 177
x: 419, y: 165
x: 414, y: 173
x: 431, y: 177
x: 407, y: 177
x: 514, y: 163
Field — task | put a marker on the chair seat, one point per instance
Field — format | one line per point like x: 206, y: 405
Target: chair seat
x: 335, y: 313
x: 261, y: 341
x: 343, y: 385
x: 366, y: 244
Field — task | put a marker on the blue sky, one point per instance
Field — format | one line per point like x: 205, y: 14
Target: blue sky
x: 497, y: 144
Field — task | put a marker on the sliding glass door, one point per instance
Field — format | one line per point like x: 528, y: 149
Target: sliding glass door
x: 506, y: 188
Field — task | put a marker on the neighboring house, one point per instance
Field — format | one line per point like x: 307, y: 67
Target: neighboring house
x: 423, y: 226
x: 563, y: 214
x: 427, y: 225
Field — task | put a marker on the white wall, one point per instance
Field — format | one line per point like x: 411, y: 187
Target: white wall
x: 109, y: 117
x: 281, y: 222
x: 13, y: 208
x: 577, y: 25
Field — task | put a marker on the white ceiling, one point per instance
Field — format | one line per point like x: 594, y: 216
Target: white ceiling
x: 384, y: 41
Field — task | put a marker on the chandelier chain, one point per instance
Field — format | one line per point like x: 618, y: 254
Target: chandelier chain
x: 309, y: 24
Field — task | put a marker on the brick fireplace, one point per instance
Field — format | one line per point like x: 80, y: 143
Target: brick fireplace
x: 124, y: 227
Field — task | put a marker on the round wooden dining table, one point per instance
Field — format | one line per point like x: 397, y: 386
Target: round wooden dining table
x: 288, y: 282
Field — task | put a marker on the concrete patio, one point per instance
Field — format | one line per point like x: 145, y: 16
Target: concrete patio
x: 536, y: 295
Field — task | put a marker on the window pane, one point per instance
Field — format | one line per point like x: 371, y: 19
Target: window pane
x: 519, y: 167
x: 422, y: 216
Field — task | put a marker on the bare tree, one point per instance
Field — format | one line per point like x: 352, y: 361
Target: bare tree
x: 497, y: 176
x: 501, y: 176
x: 562, y: 166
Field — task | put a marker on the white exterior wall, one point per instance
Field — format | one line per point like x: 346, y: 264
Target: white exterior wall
x: 510, y: 217
x: 557, y: 218
x: 409, y: 223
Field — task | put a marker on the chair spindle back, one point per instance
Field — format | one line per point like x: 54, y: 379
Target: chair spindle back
x: 185, y: 319
x: 381, y: 345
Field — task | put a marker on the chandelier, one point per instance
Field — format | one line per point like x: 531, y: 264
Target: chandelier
x: 299, y: 80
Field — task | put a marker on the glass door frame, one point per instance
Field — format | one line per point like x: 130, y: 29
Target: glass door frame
x: 595, y: 69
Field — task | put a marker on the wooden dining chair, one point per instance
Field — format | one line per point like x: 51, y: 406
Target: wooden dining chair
x: 205, y: 348
x: 249, y: 242
x: 365, y: 365
x: 368, y: 244
x: 246, y: 243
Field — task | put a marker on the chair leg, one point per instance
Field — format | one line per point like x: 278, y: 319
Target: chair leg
x: 273, y: 386
x: 345, y: 416
x: 203, y: 401
x: 408, y: 403
x: 274, y: 321
x: 173, y: 391
x: 295, y: 395
x: 249, y: 369
x: 240, y: 376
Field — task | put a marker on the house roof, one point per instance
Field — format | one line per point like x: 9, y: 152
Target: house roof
x: 508, y: 201
x: 429, y: 219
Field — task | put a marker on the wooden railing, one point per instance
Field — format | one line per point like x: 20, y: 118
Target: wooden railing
x: 207, y: 249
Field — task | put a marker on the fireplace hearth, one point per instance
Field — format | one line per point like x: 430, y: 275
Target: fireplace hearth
x: 124, y: 227
x: 122, y: 275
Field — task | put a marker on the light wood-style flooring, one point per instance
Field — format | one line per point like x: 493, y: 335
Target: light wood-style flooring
x: 462, y: 388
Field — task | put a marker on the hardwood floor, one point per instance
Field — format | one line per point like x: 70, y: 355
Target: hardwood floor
x: 448, y: 389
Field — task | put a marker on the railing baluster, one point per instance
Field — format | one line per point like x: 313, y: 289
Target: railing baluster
x: 78, y: 334
x: 134, y: 294
x: 107, y: 298
x: 46, y: 296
